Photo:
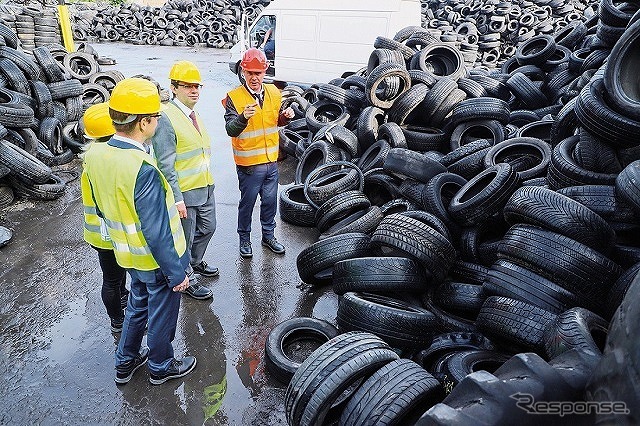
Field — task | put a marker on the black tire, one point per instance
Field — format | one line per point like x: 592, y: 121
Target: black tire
x: 14, y: 77
x: 50, y: 133
x: 329, y: 371
x: 526, y: 91
x: 407, y: 163
x: 315, y: 263
x: 507, y: 279
x: 484, y: 195
x: 378, y: 275
x: 374, y: 156
x: 394, y: 321
x: 628, y: 185
x: 473, y: 130
x: 536, y: 50
x: 576, y: 328
x: 394, y: 395
x: 622, y: 63
x: 437, y: 196
x: 461, y: 299
x: 425, y: 138
x: 23, y: 164
x: 380, y: 187
x: 294, y: 207
x: 572, y: 265
x: 339, y: 207
x: 65, y: 89
x: 614, y: 377
x: 339, y: 136
x: 315, y: 155
x: 283, y: 358
x: 22, y: 60
x: 556, y: 212
x: 528, y: 156
x: 319, y: 187
x: 405, y: 106
x: 385, y: 83
x: 447, y: 322
x: 52, y: 189
x: 603, y: 200
x: 6, y: 193
x: 455, y: 367
x: 603, y: 122
x: 399, y: 235
x: 446, y: 343
x: 364, y: 221
x: 514, y: 324
x: 369, y: 120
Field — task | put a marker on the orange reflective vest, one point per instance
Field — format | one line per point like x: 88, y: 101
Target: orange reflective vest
x: 258, y: 142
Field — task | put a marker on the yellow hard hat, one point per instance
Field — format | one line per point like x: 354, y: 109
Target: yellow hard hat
x: 97, y: 122
x: 185, y: 71
x: 135, y: 96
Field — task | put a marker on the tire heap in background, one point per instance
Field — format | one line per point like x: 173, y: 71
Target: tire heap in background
x: 480, y: 228
x: 35, y: 26
x: 43, y: 94
x: 489, y: 31
x: 211, y: 23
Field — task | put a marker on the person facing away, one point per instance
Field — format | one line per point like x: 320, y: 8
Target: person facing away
x: 182, y: 148
x: 99, y: 128
x: 252, y: 116
x: 137, y: 205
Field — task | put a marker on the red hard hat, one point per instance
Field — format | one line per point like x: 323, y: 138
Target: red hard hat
x: 254, y: 60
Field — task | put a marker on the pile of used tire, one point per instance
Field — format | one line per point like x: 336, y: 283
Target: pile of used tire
x: 35, y: 26
x: 210, y: 23
x: 480, y: 228
x: 43, y: 94
x: 489, y: 31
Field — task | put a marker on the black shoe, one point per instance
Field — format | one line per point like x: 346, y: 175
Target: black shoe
x: 273, y: 245
x: 198, y: 292
x: 116, y: 325
x: 245, y: 249
x: 205, y: 270
x: 125, y: 371
x: 176, y: 369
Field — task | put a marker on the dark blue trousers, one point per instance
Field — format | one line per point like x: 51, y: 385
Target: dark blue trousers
x: 114, y: 278
x: 260, y: 179
x: 158, y: 304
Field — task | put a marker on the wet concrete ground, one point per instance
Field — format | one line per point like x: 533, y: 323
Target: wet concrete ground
x: 57, y: 364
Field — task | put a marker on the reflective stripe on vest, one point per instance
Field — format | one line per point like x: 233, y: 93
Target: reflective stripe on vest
x: 193, y: 150
x: 91, y: 230
x: 112, y: 175
x: 258, y: 142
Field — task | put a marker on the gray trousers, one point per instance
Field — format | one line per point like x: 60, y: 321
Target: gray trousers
x: 199, y: 226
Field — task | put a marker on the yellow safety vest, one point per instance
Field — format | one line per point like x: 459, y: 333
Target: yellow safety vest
x: 193, y: 150
x: 258, y: 142
x: 92, y: 222
x: 112, y: 173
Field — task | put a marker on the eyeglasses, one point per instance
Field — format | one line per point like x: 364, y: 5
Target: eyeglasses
x: 155, y: 115
x: 190, y: 86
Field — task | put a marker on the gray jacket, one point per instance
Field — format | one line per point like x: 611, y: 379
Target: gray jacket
x: 164, y: 149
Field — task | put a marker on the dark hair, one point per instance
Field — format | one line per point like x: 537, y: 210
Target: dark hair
x: 121, y: 116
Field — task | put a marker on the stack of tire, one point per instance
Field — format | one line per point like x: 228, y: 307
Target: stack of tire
x: 467, y: 216
x: 41, y: 101
x: 210, y: 23
x: 35, y: 25
x: 489, y: 31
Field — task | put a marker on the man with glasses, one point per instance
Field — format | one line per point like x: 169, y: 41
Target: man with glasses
x: 252, y: 116
x: 136, y: 203
x: 183, y: 149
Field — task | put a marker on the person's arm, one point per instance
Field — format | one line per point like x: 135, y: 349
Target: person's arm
x: 285, y: 116
x: 149, y: 201
x: 234, y: 123
x: 164, y: 148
